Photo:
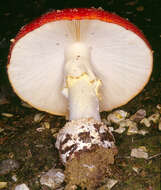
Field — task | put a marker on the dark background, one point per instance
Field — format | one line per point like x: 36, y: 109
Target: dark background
x: 146, y: 14
x: 20, y: 135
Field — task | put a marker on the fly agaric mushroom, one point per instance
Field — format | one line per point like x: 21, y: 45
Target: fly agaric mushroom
x: 80, y: 61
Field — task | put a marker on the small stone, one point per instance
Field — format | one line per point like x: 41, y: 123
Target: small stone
x: 111, y: 129
x: 119, y: 130
x: 14, y: 178
x: 117, y: 116
x: 142, y: 132
x: 146, y: 122
x: 22, y: 187
x: 132, y: 126
x: 53, y: 178
x: 3, y: 184
x: 127, y: 123
x: 7, y: 166
x: 38, y: 117
x: 140, y: 152
x: 154, y: 118
x: 132, y: 130
x: 109, y: 184
x: 7, y: 114
x: 138, y: 116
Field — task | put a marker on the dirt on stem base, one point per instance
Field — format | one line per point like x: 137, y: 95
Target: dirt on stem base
x: 88, y: 169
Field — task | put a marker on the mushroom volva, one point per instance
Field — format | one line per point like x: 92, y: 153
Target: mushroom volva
x: 78, y: 62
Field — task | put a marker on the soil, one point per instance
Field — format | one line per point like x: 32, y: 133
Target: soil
x: 32, y: 144
x: 88, y: 170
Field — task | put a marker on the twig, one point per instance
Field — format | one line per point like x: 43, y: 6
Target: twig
x: 154, y: 156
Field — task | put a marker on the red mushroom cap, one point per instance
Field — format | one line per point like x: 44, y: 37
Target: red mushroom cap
x: 32, y: 82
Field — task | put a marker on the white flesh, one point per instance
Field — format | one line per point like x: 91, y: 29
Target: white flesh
x: 81, y: 85
x: 118, y: 57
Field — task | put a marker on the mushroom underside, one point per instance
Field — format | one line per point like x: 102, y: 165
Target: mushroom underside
x: 118, y: 57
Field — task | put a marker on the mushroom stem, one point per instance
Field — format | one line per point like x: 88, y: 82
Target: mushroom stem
x: 81, y: 84
x: 84, y: 140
